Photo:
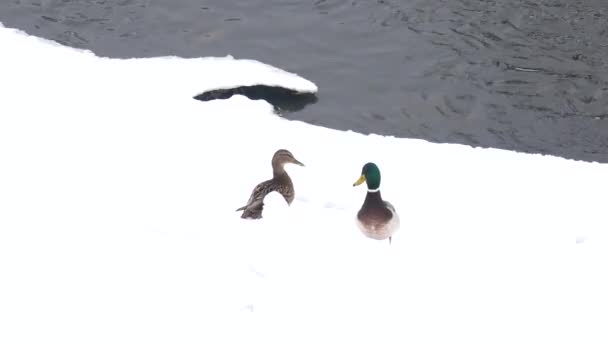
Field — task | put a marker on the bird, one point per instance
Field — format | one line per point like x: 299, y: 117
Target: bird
x: 280, y: 182
x: 376, y: 218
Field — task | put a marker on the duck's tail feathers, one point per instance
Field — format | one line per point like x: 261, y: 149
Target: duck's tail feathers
x: 252, y: 212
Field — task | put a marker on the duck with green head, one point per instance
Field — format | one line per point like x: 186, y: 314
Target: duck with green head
x: 377, y: 218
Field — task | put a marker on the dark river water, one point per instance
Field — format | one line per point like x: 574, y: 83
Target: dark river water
x: 521, y: 75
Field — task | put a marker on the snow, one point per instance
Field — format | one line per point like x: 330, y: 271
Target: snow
x: 118, y: 194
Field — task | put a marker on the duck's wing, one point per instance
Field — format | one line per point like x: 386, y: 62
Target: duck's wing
x: 389, y: 206
x: 395, y: 221
x: 257, y: 195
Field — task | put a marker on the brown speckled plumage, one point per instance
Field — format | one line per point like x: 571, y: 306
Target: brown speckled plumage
x: 280, y: 182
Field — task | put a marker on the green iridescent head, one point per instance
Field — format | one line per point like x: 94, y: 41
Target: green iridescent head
x: 371, y: 175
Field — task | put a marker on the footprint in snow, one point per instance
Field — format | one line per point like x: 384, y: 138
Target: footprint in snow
x: 331, y: 205
x: 256, y: 272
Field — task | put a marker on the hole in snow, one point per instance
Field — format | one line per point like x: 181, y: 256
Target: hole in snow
x: 284, y: 100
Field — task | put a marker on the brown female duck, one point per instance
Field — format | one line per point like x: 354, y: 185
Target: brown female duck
x: 280, y: 182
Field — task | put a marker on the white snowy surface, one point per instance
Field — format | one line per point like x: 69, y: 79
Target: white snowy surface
x: 118, y: 193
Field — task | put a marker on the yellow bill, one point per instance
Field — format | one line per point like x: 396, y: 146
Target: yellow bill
x: 360, y: 180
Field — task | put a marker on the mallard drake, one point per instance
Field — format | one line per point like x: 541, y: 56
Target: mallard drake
x: 280, y: 182
x: 377, y: 218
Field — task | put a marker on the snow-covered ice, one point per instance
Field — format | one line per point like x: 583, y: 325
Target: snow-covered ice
x: 118, y: 194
